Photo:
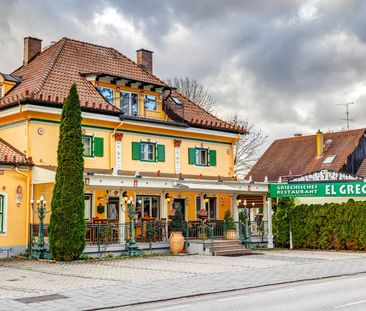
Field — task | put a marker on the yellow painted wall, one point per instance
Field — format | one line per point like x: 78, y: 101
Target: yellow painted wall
x: 46, y: 190
x: 16, y: 216
x: 44, y: 147
x: 16, y: 135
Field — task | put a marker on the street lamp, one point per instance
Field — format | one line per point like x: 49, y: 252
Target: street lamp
x: 40, y: 251
x: 132, y: 210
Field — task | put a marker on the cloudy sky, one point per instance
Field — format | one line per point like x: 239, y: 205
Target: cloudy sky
x: 284, y: 65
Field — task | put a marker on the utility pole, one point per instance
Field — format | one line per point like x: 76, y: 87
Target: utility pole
x: 348, y: 120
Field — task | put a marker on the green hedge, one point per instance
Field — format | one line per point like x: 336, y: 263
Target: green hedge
x: 321, y: 226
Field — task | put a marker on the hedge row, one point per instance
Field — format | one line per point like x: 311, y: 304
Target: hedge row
x: 321, y: 226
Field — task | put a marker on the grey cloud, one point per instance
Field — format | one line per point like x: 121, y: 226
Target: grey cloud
x: 284, y: 71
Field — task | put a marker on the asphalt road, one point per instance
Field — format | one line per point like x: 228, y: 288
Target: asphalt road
x: 339, y: 293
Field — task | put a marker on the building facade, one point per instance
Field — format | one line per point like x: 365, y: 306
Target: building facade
x: 142, y: 139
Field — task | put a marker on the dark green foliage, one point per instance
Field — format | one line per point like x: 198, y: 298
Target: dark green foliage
x: 229, y: 220
x: 67, y: 226
x: 177, y: 223
x: 328, y: 226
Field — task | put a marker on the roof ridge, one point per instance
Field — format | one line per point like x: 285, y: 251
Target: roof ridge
x: 327, y: 133
x: 51, y: 65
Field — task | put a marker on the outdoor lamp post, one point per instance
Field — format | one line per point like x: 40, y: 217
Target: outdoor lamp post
x: 132, y: 210
x: 40, y: 251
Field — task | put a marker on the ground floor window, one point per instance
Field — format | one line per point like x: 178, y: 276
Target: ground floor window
x: 210, y: 207
x: 149, y: 207
x: 88, y: 206
x: 2, y: 212
x: 113, y: 208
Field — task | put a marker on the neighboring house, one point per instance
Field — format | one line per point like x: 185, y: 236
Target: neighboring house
x: 141, y: 139
x: 332, y: 157
x: 288, y: 158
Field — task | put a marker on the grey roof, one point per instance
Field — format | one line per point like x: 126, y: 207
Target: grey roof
x: 10, y: 78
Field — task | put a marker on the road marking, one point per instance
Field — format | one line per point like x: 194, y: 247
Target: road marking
x: 175, y: 307
x: 322, y: 284
x: 281, y: 291
x: 232, y: 298
x: 350, y: 304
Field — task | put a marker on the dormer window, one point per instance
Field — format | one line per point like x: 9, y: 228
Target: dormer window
x: 107, y: 93
x: 151, y: 103
x: 129, y: 103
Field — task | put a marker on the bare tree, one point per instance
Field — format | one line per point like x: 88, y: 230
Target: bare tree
x: 246, y: 151
x: 194, y: 90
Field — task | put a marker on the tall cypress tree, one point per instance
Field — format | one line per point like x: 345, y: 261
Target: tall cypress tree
x: 67, y: 226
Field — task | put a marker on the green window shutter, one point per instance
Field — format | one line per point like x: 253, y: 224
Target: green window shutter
x: 98, y: 146
x: 161, y: 153
x: 136, y: 151
x: 192, y: 156
x: 212, y: 157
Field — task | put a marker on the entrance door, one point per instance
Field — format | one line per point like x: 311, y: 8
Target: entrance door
x: 180, y: 203
x: 113, y: 208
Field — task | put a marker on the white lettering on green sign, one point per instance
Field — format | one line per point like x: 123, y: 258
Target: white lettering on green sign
x: 347, y: 189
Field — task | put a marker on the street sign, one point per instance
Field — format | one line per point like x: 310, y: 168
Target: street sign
x: 347, y: 189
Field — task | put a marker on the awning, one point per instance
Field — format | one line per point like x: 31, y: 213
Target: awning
x: 206, y: 186
x: 42, y: 176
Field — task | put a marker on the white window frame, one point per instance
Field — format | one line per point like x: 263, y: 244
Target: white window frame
x: 129, y: 102
x: 199, y: 150
x: 91, y: 138
x: 4, y: 213
x: 156, y: 101
x: 143, y: 152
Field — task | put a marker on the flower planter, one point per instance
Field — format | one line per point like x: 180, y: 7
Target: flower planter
x: 231, y: 235
x: 176, y: 242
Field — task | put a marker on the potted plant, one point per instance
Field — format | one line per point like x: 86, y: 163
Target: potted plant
x: 176, y: 229
x: 230, y: 228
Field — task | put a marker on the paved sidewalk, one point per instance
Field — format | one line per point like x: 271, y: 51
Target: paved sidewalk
x: 93, y: 285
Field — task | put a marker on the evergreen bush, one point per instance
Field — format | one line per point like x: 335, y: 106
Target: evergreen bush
x: 67, y: 225
x: 229, y: 220
x: 339, y: 226
x: 177, y: 223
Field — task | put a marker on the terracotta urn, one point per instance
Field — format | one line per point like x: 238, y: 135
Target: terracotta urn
x: 176, y: 242
x: 231, y: 235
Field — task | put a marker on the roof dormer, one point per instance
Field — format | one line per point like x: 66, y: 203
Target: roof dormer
x: 7, y: 82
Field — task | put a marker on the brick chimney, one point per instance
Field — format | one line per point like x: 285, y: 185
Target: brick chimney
x: 32, y: 46
x: 144, y: 59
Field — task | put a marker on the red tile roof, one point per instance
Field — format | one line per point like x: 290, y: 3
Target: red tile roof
x: 50, y: 74
x: 10, y: 155
x: 297, y: 155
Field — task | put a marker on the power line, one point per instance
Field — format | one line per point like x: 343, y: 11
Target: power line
x: 348, y: 120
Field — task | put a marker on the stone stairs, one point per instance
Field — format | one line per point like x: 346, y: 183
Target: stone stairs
x: 228, y: 248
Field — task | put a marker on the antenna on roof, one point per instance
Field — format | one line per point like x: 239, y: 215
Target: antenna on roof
x: 348, y: 120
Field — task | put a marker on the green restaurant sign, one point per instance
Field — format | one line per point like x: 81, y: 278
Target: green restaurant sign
x: 323, y: 189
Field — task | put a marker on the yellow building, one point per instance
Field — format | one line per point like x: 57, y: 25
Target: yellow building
x: 142, y: 139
